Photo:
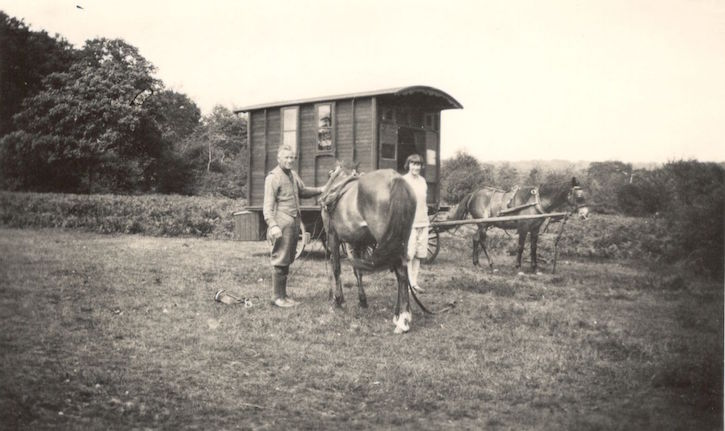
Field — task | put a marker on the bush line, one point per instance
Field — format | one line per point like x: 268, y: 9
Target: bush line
x: 153, y: 215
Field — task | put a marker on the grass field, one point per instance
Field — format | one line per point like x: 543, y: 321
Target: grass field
x: 121, y: 332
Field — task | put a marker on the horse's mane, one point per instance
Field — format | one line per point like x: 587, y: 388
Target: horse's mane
x: 554, y: 187
x: 556, y: 192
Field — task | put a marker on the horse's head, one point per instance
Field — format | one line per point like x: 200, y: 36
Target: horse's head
x: 576, y: 200
x: 343, y: 169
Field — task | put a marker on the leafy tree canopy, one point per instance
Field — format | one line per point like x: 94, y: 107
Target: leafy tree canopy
x: 461, y: 175
x: 216, y: 155
x: 506, y: 176
x: 96, y: 117
x: 26, y: 57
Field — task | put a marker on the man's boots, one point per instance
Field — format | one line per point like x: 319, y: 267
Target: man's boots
x: 279, y: 280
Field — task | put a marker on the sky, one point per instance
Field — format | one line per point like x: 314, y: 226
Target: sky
x: 630, y: 80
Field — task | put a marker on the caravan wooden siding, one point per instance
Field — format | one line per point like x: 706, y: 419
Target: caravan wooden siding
x: 364, y: 134
x: 377, y: 129
x: 257, y: 152
x: 352, y: 131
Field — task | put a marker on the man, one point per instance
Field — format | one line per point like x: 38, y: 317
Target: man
x: 283, y: 189
x: 418, y: 242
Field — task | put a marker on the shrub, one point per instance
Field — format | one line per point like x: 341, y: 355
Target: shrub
x: 694, y: 214
x: 155, y: 215
x: 461, y: 175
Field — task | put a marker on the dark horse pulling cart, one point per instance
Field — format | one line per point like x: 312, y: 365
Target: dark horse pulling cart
x: 522, y: 208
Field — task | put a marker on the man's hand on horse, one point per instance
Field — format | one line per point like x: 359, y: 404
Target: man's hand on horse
x: 274, y: 234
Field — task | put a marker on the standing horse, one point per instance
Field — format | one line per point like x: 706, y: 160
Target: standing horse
x: 527, y: 200
x: 371, y: 210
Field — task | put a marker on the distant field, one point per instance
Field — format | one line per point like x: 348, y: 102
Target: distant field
x: 121, y: 332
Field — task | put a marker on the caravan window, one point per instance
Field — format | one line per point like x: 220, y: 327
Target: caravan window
x: 289, y: 127
x: 324, y: 127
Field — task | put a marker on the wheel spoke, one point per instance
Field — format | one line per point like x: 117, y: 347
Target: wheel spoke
x: 433, y: 245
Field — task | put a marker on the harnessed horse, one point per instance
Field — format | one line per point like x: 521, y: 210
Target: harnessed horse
x: 371, y: 210
x: 527, y: 200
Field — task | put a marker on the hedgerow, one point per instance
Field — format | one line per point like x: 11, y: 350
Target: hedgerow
x: 601, y: 237
x: 154, y: 215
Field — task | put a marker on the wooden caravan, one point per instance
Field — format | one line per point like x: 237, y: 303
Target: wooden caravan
x: 378, y: 129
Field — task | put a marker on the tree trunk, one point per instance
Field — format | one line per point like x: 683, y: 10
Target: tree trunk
x: 208, y: 164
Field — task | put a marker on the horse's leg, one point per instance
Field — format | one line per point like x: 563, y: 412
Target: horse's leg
x: 335, y: 295
x: 359, y: 276
x: 402, y: 319
x: 483, y: 240
x: 522, y: 244
x: 534, y: 240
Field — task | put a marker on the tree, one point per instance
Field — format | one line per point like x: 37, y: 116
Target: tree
x: 177, y: 118
x: 605, y: 179
x: 507, y: 176
x: 646, y: 194
x: 535, y: 177
x: 217, y: 156
x: 694, y: 213
x: 92, y: 120
x: 461, y: 175
x: 26, y: 57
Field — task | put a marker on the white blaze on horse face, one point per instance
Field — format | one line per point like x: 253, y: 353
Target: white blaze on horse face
x: 583, y: 212
x: 402, y: 322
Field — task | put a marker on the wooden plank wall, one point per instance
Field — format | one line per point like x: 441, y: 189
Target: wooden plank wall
x: 257, y: 160
x: 343, y: 130
x: 353, y: 140
x: 364, y: 134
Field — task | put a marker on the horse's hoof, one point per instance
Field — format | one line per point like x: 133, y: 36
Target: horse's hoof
x: 402, y: 322
x: 364, y: 304
x: 494, y: 270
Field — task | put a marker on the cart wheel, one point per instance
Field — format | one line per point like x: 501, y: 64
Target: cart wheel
x: 302, y: 241
x: 434, y: 245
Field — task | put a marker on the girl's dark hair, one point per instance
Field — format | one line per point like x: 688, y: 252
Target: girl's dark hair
x: 413, y: 158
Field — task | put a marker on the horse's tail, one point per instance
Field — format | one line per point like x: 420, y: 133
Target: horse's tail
x: 459, y: 213
x: 392, y: 246
x: 462, y: 209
